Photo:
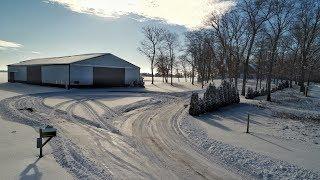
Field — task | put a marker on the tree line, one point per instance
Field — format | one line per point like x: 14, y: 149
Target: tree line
x: 269, y: 40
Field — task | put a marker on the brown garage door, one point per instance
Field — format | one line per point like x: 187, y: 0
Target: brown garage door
x: 34, y: 74
x: 103, y: 76
x: 11, y: 77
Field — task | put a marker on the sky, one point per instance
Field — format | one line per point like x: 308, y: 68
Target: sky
x: 49, y: 28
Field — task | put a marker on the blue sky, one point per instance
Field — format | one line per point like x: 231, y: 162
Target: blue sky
x: 36, y: 28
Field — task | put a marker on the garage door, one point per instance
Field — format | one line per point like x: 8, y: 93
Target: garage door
x: 103, y: 76
x: 34, y: 74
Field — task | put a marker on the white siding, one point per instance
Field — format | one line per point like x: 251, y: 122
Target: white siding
x: 82, y: 74
x: 55, y: 74
x: 20, y: 72
x: 131, y: 75
x: 132, y: 72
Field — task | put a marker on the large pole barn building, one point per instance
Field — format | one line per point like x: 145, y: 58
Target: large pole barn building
x: 99, y: 69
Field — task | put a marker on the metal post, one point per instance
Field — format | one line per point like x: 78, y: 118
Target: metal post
x: 69, y: 77
x: 40, y: 131
x: 306, y: 91
x: 248, y: 123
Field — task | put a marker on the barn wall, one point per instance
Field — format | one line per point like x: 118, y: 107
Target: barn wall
x: 131, y: 75
x: 20, y: 72
x: 55, y: 74
x: 82, y: 74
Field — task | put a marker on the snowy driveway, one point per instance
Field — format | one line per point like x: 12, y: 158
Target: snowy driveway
x: 139, y: 138
x: 149, y: 135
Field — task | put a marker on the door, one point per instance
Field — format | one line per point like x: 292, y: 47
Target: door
x: 11, y: 77
x: 34, y: 75
x: 103, y: 76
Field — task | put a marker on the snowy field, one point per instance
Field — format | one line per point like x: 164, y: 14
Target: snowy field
x: 134, y: 133
x: 283, y: 141
x: 18, y: 155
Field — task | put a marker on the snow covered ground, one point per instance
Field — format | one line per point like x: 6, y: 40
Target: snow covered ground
x: 18, y: 155
x: 283, y: 140
x: 134, y: 133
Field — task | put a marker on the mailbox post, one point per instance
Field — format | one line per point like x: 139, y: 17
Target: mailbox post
x: 48, y: 132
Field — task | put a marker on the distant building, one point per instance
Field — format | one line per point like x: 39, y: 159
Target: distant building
x: 100, y: 69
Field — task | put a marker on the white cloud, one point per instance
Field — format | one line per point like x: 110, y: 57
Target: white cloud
x: 188, y: 13
x: 7, y: 44
x: 35, y: 52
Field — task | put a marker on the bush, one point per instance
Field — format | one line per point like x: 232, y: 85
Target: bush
x: 263, y: 92
x: 274, y: 89
x: 214, y: 98
x: 137, y: 83
x: 194, y: 109
x: 210, y: 97
x: 250, y: 93
x: 236, y: 95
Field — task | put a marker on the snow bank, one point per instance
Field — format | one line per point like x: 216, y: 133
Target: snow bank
x: 259, y: 166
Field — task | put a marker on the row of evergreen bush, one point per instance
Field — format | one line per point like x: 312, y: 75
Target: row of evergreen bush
x: 214, y: 98
x: 138, y: 83
x: 251, y: 94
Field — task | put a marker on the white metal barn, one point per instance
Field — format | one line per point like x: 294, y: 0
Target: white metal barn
x: 99, y: 69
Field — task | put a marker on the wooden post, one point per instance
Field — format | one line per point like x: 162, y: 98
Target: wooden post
x: 248, y: 123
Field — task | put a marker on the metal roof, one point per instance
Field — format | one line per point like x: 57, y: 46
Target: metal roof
x: 58, y: 60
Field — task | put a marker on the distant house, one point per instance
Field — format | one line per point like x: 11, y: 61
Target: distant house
x: 99, y: 69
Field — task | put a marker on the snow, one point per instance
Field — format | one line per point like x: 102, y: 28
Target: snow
x: 277, y: 147
x: 18, y: 155
x: 116, y: 133
x: 179, y: 85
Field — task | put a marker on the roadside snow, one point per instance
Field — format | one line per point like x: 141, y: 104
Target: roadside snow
x: 18, y: 152
x: 277, y: 147
x: 247, y: 161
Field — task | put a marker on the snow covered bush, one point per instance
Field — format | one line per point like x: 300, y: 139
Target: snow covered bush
x: 224, y: 93
x: 194, y: 109
x: 263, y: 92
x: 283, y: 85
x: 202, y: 106
x: 235, y: 95
x: 250, y: 93
x: 214, y: 98
x: 274, y: 89
x: 137, y: 83
x: 210, y: 97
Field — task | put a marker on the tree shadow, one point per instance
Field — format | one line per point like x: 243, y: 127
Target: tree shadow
x: 21, y: 88
x: 237, y: 112
x: 268, y: 141
x: 213, y: 120
x: 31, y: 172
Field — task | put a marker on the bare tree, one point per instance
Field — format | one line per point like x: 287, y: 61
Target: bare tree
x: 192, y: 50
x: 162, y: 63
x: 171, y: 44
x: 184, y: 61
x: 256, y: 13
x: 306, y: 32
x: 153, y: 36
x: 275, y: 28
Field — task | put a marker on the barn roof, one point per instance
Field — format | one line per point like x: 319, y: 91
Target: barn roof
x: 65, y: 60
x: 58, y: 60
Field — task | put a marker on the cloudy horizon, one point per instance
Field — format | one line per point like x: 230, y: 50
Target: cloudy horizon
x: 66, y: 27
